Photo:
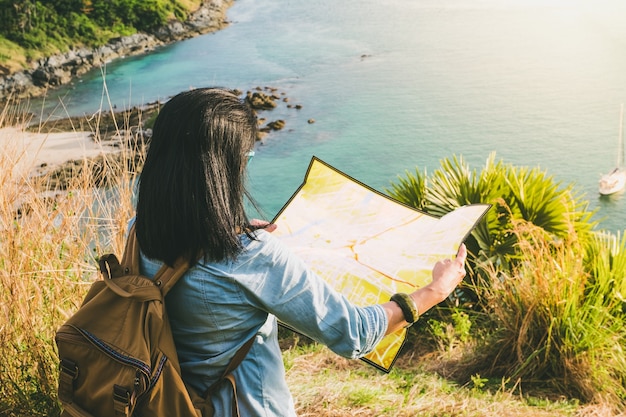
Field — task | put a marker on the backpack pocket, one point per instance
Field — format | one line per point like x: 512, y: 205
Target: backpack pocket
x: 96, y: 377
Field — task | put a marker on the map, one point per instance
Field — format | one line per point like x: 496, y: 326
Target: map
x: 367, y: 245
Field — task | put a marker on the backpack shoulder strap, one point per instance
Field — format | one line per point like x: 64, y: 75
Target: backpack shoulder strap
x: 239, y: 356
x: 165, y: 278
x: 232, y: 365
x: 230, y: 378
x: 130, y: 257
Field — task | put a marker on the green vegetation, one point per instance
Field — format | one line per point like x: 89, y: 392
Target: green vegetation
x: 545, y: 292
x: 537, y: 330
x: 35, y: 28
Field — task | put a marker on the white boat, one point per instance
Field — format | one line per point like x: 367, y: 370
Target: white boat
x: 615, y: 181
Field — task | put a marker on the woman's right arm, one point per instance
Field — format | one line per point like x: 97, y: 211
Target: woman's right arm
x: 302, y: 300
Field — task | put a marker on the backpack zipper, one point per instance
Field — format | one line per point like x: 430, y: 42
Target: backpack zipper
x: 143, y: 369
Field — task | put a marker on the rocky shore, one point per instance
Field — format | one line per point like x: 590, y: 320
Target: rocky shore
x: 61, y: 69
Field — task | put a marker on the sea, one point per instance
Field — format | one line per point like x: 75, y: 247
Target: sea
x: 387, y: 87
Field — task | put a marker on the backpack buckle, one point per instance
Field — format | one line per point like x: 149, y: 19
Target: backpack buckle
x: 67, y: 375
x: 121, y: 400
x: 69, y: 368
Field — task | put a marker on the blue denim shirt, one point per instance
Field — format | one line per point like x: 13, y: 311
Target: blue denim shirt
x: 216, y: 307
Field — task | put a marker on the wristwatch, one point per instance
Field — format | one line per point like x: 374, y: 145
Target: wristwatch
x: 408, y: 307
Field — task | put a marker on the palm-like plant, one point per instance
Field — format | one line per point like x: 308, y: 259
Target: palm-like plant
x: 514, y: 193
x: 410, y: 190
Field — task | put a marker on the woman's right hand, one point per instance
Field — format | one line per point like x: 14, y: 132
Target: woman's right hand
x: 446, y: 274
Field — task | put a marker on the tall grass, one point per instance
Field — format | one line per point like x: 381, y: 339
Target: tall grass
x: 557, y: 318
x: 48, y: 242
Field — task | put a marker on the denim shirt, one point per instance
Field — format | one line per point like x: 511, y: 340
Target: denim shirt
x: 216, y: 307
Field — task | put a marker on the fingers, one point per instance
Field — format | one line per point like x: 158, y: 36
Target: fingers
x: 456, y: 266
x: 263, y: 224
x: 259, y: 223
x: 461, y: 255
x: 448, y: 273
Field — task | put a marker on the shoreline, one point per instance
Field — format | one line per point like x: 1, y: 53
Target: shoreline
x: 57, y: 150
x: 61, y: 69
x: 34, y: 154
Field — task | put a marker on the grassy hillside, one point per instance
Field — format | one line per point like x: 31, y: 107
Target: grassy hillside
x: 35, y: 28
x: 537, y: 329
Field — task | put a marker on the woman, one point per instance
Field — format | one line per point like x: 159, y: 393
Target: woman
x: 191, y: 204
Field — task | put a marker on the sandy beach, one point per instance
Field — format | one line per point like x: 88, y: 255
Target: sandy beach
x: 29, y: 152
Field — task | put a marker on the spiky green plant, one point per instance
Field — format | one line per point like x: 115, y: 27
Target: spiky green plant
x: 411, y: 190
x: 514, y: 192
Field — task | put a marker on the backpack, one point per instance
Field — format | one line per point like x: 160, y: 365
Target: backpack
x: 117, y: 354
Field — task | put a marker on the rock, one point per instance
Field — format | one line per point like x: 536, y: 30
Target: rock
x: 275, y: 125
x: 260, y: 101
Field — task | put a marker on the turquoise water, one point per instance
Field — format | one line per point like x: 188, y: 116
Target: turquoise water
x: 395, y: 84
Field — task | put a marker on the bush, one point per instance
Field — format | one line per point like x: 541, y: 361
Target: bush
x: 58, y: 25
x: 546, y: 293
x: 557, y: 321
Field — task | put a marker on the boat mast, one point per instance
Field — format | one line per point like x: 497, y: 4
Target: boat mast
x: 620, y: 149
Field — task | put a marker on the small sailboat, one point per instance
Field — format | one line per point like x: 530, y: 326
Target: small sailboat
x: 615, y: 180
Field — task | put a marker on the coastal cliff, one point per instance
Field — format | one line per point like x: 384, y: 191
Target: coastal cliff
x: 56, y: 70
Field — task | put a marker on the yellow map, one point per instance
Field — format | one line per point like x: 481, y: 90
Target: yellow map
x: 367, y: 245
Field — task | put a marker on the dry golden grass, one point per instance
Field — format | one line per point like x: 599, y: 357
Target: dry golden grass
x: 48, y: 242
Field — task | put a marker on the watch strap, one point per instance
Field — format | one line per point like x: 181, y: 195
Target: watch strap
x: 408, y: 307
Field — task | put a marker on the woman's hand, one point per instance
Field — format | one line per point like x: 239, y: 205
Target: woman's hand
x: 263, y: 224
x: 447, y: 274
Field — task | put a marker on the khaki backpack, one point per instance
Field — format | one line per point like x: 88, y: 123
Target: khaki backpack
x: 117, y: 354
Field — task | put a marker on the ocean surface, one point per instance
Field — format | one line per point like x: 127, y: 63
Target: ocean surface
x: 395, y: 85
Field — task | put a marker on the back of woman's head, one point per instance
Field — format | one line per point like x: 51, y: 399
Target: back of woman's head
x: 191, y: 189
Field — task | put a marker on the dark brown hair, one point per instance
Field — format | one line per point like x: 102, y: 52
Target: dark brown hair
x: 191, y: 188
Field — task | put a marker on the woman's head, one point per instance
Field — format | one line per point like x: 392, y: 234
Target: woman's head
x: 191, y: 189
